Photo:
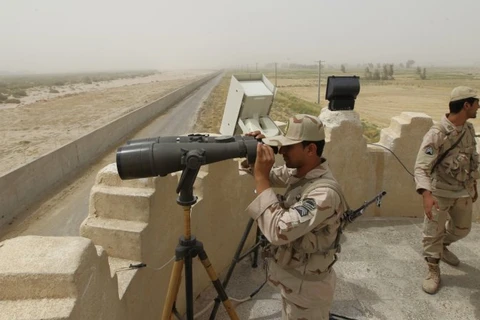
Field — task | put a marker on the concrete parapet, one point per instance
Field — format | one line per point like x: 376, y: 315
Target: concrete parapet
x: 125, y: 216
x: 346, y: 153
x: 399, y: 145
x: 71, y: 278
x: 364, y: 169
x: 56, y: 278
x: 117, y: 207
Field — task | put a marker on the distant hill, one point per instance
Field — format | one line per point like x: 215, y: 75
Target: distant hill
x: 10, y: 73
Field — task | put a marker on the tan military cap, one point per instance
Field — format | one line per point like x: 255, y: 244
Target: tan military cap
x: 301, y: 127
x: 462, y: 92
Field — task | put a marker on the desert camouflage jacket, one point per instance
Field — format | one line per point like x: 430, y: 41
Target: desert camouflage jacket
x: 302, y: 229
x: 455, y: 175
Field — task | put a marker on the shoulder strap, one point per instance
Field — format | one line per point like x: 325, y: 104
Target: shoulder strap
x: 440, y: 159
x: 326, y: 183
x: 332, y: 184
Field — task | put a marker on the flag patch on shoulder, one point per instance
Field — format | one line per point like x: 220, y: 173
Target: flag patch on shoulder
x: 429, y: 150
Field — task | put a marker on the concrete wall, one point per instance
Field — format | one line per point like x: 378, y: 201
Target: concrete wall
x: 139, y: 221
x: 57, y: 278
x: 364, y: 169
x: 129, y: 222
x: 27, y: 184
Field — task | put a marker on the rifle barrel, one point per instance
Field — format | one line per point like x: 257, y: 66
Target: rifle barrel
x: 356, y: 213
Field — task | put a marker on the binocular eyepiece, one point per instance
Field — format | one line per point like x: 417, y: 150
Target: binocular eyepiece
x: 163, y: 155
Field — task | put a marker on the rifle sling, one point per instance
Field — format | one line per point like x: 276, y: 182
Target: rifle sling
x: 440, y: 159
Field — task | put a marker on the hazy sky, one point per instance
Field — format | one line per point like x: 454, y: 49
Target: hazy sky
x: 76, y: 35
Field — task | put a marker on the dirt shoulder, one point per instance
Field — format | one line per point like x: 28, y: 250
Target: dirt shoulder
x: 34, y: 128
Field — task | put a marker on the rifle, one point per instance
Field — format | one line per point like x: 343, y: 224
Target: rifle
x: 351, y: 215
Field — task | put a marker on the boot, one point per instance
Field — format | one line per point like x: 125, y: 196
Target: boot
x: 449, y: 257
x: 432, y: 280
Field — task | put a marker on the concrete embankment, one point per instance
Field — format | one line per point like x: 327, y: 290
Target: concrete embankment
x: 22, y: 187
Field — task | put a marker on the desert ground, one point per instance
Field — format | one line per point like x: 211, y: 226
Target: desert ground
x: 44, y: 121
x: 377, y: 102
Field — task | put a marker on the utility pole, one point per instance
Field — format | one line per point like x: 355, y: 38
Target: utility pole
x: 319, y: 74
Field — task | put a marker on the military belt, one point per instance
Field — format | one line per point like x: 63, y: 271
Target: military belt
x: 309, y: 277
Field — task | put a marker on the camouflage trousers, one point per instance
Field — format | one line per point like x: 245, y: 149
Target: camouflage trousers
x: 291, y: 311
x: 303, y: 299
x: 449, y: 224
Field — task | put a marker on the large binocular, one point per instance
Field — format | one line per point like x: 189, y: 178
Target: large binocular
x: 163, y: 155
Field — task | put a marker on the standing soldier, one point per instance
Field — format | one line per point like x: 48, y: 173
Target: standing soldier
x: 445, y: 174
x: 302, y: 226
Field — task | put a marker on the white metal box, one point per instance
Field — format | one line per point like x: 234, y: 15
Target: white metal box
x: 247, y: 109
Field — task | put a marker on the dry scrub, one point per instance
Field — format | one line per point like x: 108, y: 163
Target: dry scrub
x: 29, y: 131
x: 284, y: 106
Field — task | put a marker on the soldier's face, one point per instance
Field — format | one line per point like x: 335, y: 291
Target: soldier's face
x: 293, y: 155
x: 472, y: 109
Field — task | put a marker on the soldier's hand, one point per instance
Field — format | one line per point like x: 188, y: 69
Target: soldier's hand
x: 256, y: 134
x: 263, y: 164
x: 428, y: 202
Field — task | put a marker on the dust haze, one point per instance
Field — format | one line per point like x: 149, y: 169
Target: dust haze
x: 52, y: 36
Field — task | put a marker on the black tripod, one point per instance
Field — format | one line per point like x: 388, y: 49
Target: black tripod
x: 188, y: 246
x: 260, y: 241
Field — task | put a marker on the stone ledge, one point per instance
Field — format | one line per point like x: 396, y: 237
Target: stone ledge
x: 45, y: 309
x: 50, y: 270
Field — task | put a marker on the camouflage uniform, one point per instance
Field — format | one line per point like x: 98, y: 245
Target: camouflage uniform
x: 301, y: 227
x: 451, y: 183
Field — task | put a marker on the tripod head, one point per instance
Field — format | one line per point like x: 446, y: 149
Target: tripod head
x: 192, y: 160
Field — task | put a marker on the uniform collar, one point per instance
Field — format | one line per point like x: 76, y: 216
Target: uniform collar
x: 316, y: 172
x: 448, y: 125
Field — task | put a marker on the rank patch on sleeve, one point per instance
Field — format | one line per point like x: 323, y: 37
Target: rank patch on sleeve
x: 429, y: 150
x: 308, y: 205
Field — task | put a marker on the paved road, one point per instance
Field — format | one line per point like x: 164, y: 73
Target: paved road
x: 65, y: 209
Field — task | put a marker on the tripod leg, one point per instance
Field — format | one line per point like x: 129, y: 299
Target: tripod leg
x: 255, y: 253
x: 173, y: 288
x: 235, y: 260
x: 189, y: 286
x: 218, y: 286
